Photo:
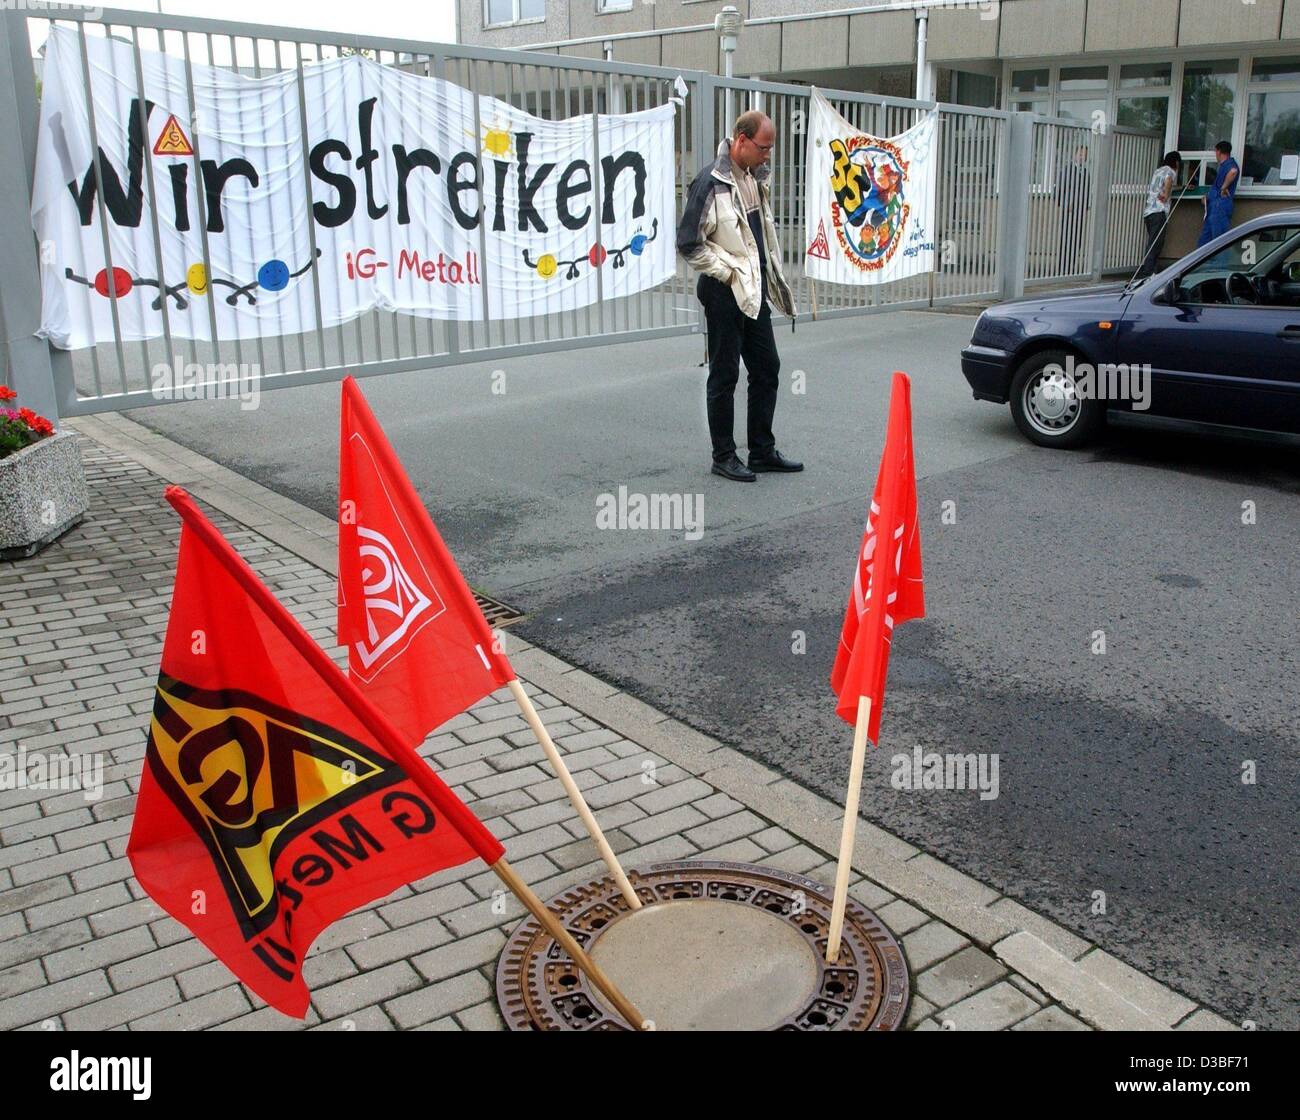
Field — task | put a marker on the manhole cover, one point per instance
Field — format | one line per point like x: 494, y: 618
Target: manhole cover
x: 717, y: 946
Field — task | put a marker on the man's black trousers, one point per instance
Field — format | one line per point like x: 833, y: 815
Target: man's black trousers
x: 732, y: 337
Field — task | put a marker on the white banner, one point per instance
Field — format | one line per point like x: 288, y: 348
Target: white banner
x: 393, y: 163
x: 870, y: 207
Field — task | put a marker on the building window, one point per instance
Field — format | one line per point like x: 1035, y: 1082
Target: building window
x: 1271, y: 155
x: 1031, y: 91
x: 1208, y: 103
x: 603, y: 6
x: 1143, y: 75
x: 501, y: 13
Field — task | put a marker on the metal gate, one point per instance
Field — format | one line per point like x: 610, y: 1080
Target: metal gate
x: 975, y: 207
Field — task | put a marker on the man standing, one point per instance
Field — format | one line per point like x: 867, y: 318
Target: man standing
x: 1220, y: 197
x: 1074, y: 197
x: 1156, y: 214
x: 728, y: 235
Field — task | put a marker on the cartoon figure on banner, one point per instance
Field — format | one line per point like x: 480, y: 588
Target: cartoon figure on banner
x: 868, y: 178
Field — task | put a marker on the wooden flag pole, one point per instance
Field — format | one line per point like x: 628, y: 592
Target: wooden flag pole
x: 537, y: 908
x: 813, y: 285
x: 576, y: 799
x: 845, y: 864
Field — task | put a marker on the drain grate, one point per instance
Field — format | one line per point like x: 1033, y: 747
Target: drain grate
x: 496, y: 612
x: 540, y: 988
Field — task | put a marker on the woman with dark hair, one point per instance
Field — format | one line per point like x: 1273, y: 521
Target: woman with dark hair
x: 1156, y: 215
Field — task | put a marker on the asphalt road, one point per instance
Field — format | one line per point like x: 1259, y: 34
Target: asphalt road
x: 1119, y: 772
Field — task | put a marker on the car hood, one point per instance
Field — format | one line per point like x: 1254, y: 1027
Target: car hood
x: 1102, y: 298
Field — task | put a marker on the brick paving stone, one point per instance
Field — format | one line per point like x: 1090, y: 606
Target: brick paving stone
x: 320, y: 969
x: 351, y: 995
x: 918, y: 1010
x: 669, y: 797
x: 196, y: 1014
x: 930, y: 943
x: 21, y: 978
x: 384, y: 948
x: 61, y: 864
x: 993, y: 1009
x: 140, y: 912
x: 536, y: 816
x: 436, y: 1000
x: 718, y: 805
x: 497, y: 727
x: 584, y: 850
x: 269, y: 1019
x: 52, y: 1000
x: 959, y: 976
x: 902, y: 917
x: 161, y: 962
x: 203, y: 979
x: 460, y: 956
x: 31, y: 946
x: 483, y: 915
x: 419, y: 905
x: 34, y: 894
x: 43, y: 826
x: 869, y: 894
x: 509, y: 780
x: 603, y: 794
x: 595, y: 737
x: 119, y: 1009
x: 371, y: 1018
x: 98, y: 953
x: 774, y: 839
x: 1051, y: 1019
x: 743, y: 850
x: 674, y: 821
x: 481, y: 1017
x: 81, y: 905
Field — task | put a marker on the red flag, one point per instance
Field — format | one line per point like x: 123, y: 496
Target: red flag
x: 884, y: 594
x: 417, y: 642
x: 275, y: 797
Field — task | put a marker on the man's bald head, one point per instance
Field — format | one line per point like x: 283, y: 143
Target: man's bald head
x: 752, y: 139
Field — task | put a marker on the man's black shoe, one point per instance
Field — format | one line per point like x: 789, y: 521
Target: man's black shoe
x: 735, y: 470
x: 773, y: 462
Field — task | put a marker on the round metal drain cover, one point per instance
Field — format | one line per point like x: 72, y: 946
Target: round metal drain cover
x: 717, y: 946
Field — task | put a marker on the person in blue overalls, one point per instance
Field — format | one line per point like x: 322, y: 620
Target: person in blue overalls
x: 1219, y: 198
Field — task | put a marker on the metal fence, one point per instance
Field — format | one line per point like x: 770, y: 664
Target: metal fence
x: 1086, y: 195
x: 978, y: 205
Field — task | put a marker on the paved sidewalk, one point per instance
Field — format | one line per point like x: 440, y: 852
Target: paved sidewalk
x: 81, y: 947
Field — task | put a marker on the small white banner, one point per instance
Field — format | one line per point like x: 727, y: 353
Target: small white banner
x: 870, y: 208
x: 414, y: 203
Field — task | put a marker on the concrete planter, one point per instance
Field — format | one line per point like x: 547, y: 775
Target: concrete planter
x: 42, y: 495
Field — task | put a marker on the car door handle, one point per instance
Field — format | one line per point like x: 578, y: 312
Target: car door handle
x: 1292, y: 333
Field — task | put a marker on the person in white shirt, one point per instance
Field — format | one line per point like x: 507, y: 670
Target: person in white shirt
x: 1156, y: 215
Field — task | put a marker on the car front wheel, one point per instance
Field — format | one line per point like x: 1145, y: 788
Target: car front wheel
x: 1049, y: 403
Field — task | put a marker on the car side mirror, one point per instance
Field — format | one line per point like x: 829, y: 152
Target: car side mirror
x: 1169, y: 294
x: 1293, y: 272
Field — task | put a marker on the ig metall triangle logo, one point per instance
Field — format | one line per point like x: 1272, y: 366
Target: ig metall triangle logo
x: 250, y: 777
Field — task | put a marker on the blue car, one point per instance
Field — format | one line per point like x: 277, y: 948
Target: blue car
x: 1211, y: 340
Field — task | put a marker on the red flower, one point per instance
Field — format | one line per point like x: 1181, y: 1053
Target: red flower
x: 7, y: 394
x: 38, y: 424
